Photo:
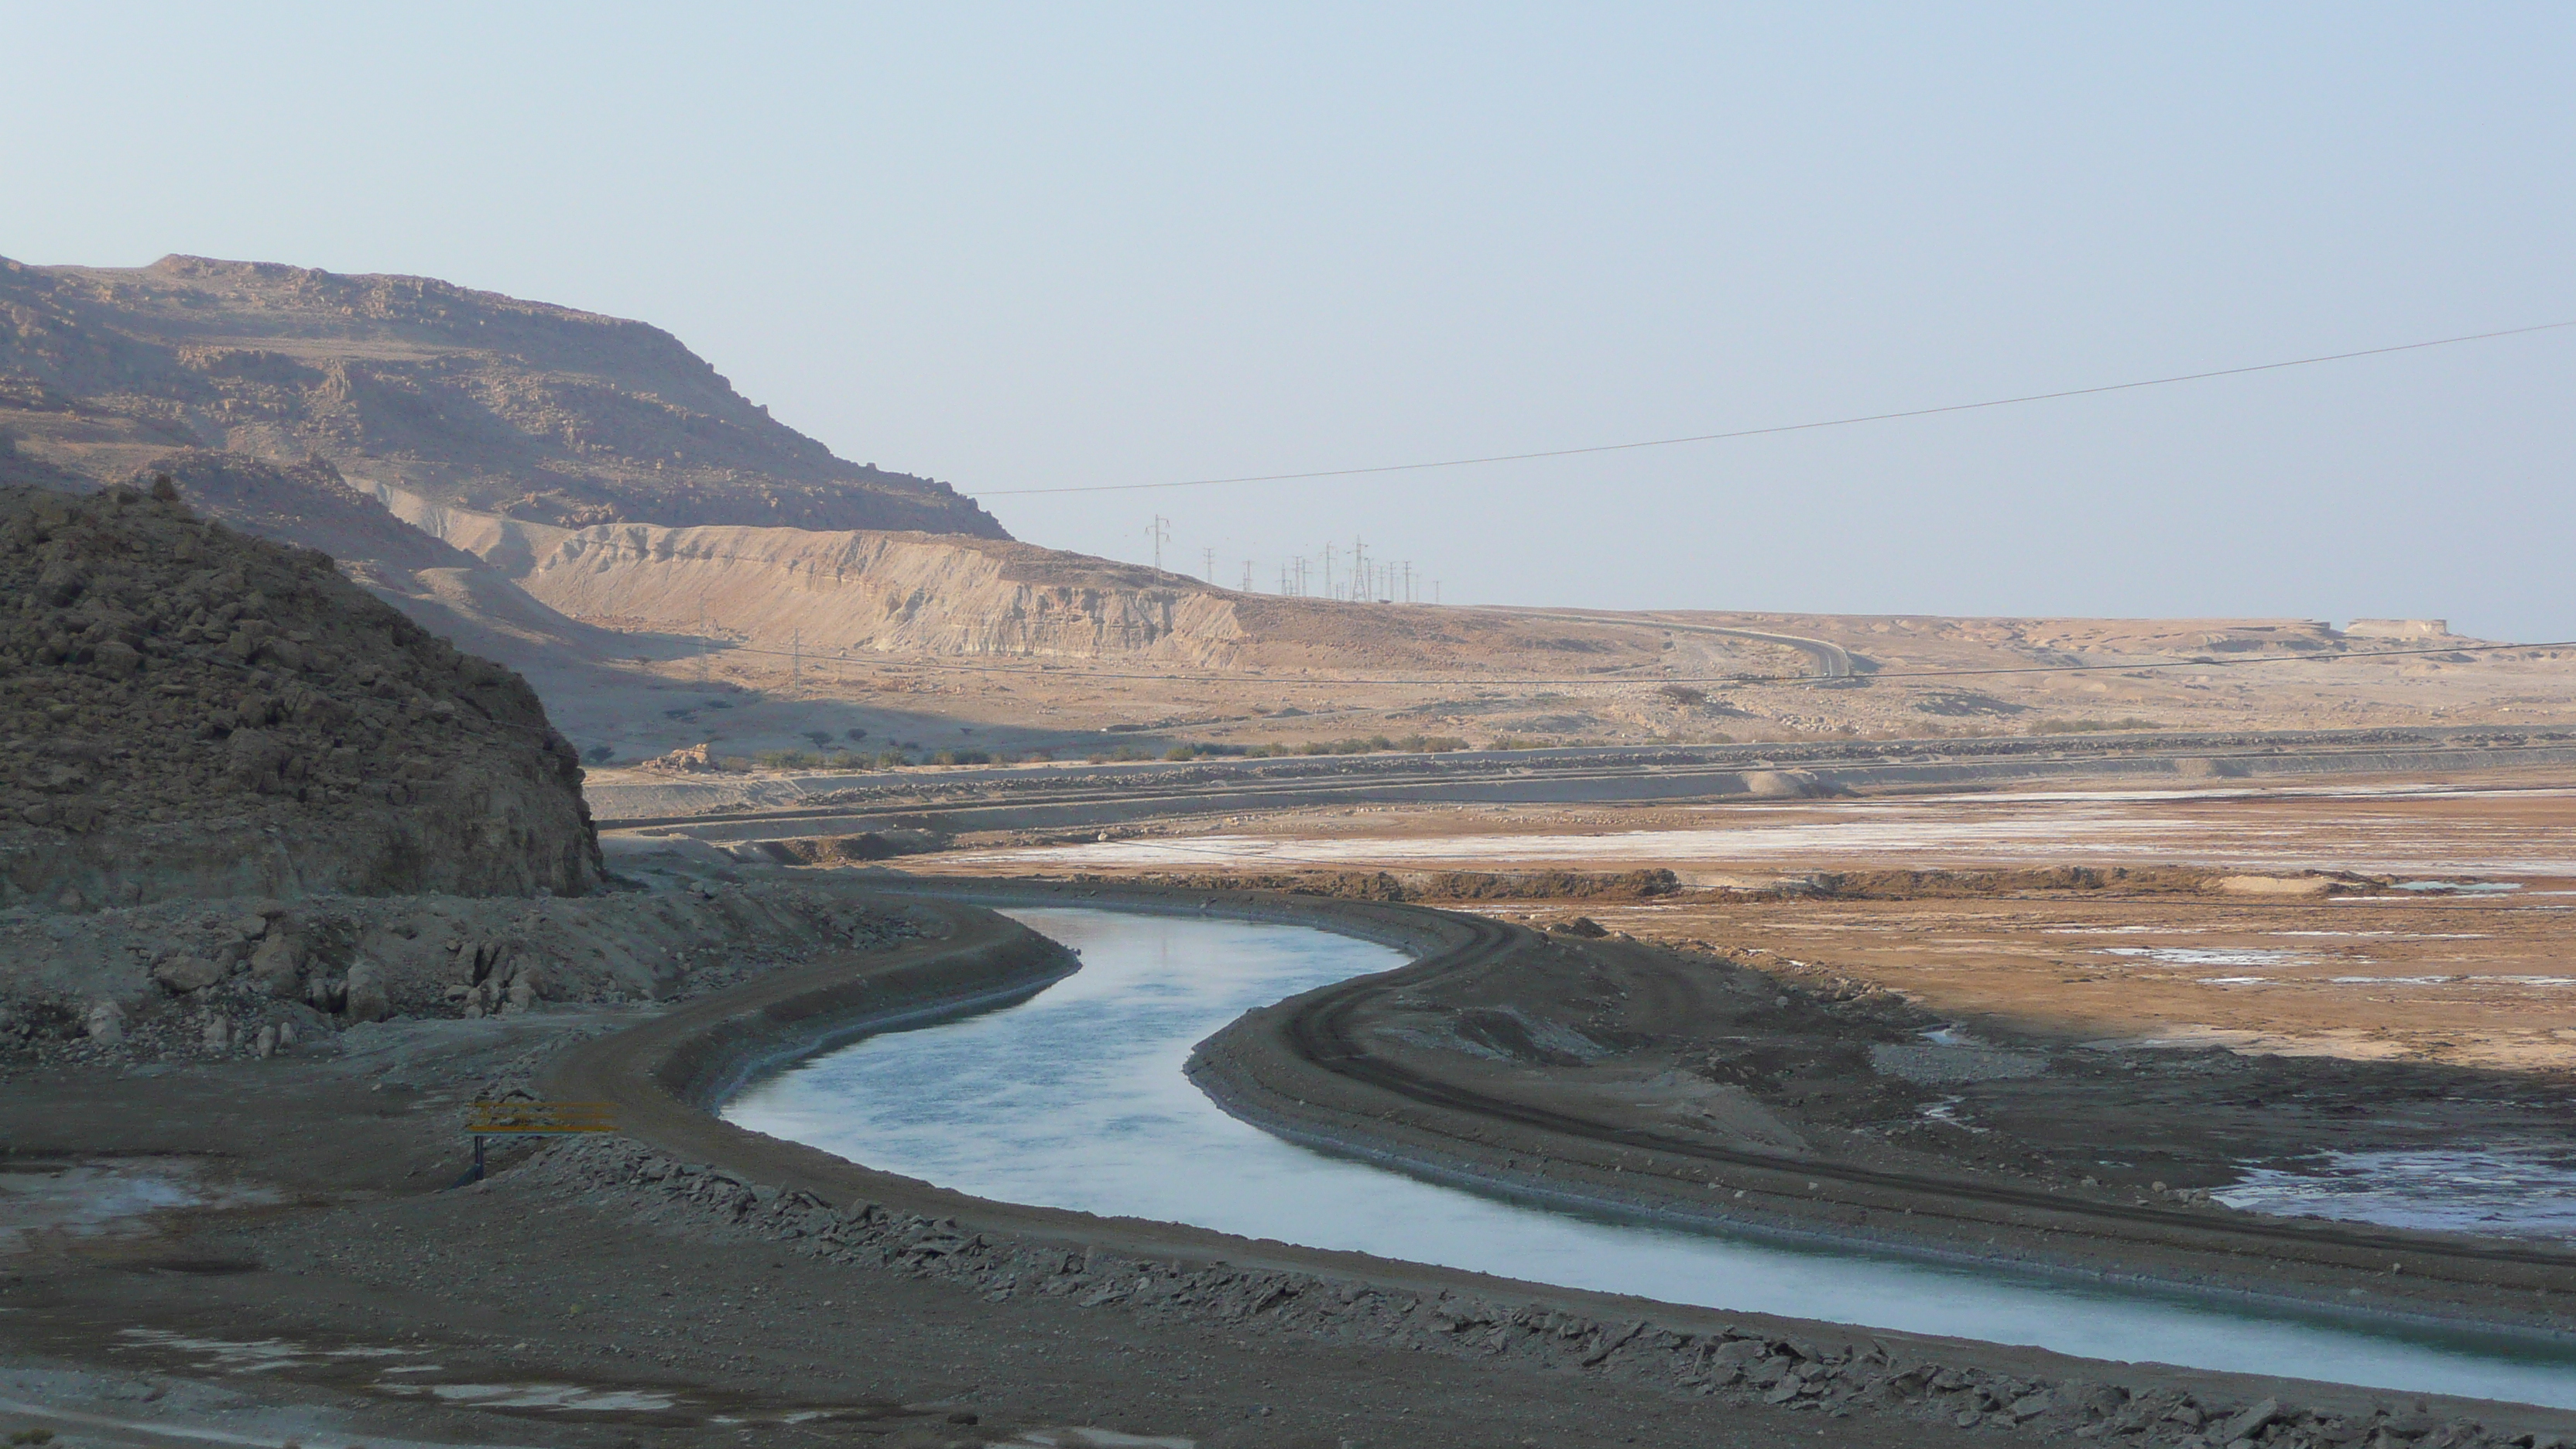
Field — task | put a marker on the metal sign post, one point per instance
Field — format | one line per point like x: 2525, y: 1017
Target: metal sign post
x: 521, y: 1118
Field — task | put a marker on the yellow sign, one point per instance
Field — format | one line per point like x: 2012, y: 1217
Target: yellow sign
x: 520, y: 1118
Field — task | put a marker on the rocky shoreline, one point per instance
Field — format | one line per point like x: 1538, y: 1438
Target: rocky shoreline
x: 1736, y: 1366
x: 755, y: 1244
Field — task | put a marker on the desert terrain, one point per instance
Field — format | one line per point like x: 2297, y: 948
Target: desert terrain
x: 415, y: 699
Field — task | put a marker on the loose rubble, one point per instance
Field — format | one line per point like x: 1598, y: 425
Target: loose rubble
x: 193, y: 980
x: 697, y: 759
x: 1735, y: 1367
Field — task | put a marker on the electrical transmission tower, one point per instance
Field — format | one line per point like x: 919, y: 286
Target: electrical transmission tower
x: 1160, y: 531
x: 1207, y: 564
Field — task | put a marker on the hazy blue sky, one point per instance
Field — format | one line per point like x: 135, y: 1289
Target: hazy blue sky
x: 1050, y: 246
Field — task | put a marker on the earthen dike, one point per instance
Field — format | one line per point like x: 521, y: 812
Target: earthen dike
x: 1305, y: 1070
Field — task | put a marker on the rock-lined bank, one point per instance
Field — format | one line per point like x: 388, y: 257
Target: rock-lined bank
x: 1441, y: 1070
x: 1828, y: 1372
x: 732, y: 1295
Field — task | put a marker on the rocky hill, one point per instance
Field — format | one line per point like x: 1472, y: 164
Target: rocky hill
x: 901, y: 593
x: 509, y: 407
x: 440, y: 587
x: 186, y: 711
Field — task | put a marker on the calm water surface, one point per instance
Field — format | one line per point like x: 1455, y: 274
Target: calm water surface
x: 1075, y: 1099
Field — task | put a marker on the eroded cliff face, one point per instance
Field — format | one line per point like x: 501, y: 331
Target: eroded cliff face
x: 506, y: 406
x: 187, y: 711
x: 849, y: 590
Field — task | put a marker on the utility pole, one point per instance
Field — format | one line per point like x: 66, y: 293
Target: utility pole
x: 795, y: 663
x: 1160, y: 531
x: 1407, y: 595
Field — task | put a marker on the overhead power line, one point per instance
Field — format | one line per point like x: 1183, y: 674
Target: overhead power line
x: 1966, y: 407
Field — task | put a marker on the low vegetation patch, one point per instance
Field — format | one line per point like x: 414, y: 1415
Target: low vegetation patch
x: 1354, y: 745
x: 1906, y: 885
x: 2090, y: 726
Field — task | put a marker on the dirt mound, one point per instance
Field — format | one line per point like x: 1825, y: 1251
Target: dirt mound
x: 1905, y: 885
x: 1443, y: 885
x: 512, y: 407
x: 867, y: 846
x: 697, y: 759
x: 186, y: 711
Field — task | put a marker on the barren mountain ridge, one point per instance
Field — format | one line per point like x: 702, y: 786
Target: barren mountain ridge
x: 511, y: 407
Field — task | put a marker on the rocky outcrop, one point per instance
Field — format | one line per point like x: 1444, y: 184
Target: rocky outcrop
x: 697, y: 759
x: 853, y: 591
x: 826, y: 593
x: 107, y: 989
x: 441, y: 587
x: 189, y: 712
x: 510, y: 407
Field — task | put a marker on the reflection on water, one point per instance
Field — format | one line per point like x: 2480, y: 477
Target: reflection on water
x: 1075, y: 1099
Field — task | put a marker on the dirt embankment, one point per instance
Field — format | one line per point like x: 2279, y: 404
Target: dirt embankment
x: 188, y: 712
x: 1433, y: 885
x: 694, y: 1276
x: 1692, y: 1087
x: 835, y: 1212
x: 1909, y: 885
